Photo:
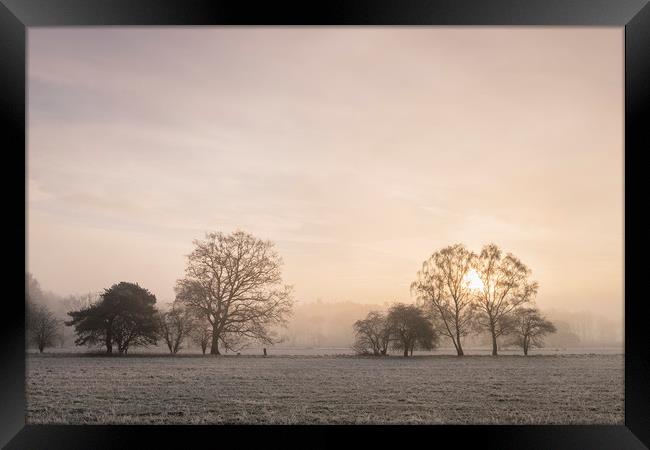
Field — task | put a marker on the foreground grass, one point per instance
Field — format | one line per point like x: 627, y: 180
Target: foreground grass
x: 575, y: 389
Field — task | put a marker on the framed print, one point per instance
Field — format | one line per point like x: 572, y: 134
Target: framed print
x: 305, y: 224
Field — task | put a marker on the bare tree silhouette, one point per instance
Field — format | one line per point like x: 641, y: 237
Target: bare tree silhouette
x: 441, y: 287
x: 201, y: 333
x: 234, y: 281
x: 505, y: 286
x: 372, y: 334
x: 530, y: 328
x: 175, y: 325
x: 43, y: 328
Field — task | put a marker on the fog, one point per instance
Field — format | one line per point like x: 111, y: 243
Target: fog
x: 324, y: 324
x: 357, y: 152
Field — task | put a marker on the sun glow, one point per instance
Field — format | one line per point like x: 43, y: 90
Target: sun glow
x: 473, y: 280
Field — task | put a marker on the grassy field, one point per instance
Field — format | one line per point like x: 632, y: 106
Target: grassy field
x: 572, y: 389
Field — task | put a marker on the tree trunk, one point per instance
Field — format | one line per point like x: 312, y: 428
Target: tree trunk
x: 214, y: 350
x: 204, y: 347
x: 109, y: 339
x: 406, y: 350
x: 40, y: 348
x: 459, y: 348
x: 494, y: 343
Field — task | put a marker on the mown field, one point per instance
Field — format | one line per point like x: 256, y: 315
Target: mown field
x: 191, y: 389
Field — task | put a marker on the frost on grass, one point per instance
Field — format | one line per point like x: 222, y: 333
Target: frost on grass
x: 576, y: 389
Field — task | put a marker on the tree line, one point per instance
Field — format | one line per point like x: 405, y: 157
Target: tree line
x: 458, y: 293
x: 232, y: 293
x: 404, y: 327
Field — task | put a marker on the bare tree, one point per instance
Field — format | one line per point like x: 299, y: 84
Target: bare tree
x: 201, y: 333
x: 43, y: 328
x: 372, y: 334
x: 175, y: 325
x: 530, y: 328
x: 441, y: 287
x: 409, y: 327
x: 505, y: 286
x: 235, y: 282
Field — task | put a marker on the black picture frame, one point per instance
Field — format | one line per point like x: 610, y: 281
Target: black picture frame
x: 633, y: 15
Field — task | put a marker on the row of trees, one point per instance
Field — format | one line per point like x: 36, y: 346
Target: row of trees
x: 407, y: 327
x: 125, y: 315
x: 232, y: 294
x: 403, y: 327
x: 462, y: 292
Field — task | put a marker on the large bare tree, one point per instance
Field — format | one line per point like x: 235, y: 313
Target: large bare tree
x: 505, y: 286
x: 441, y: 287
x: 234, y: 281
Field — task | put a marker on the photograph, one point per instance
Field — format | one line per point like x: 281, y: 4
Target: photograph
x: 328, y: 225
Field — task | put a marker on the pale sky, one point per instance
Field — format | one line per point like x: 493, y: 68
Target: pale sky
x: 359, y: 152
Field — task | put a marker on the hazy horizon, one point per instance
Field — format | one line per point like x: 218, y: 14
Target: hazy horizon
x: 358, y: 152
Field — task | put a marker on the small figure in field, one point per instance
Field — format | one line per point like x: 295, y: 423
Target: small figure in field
x: 264, y: 351
x: 238, y: 353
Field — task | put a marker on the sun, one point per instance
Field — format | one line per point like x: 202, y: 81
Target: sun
x: 473, y: 280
